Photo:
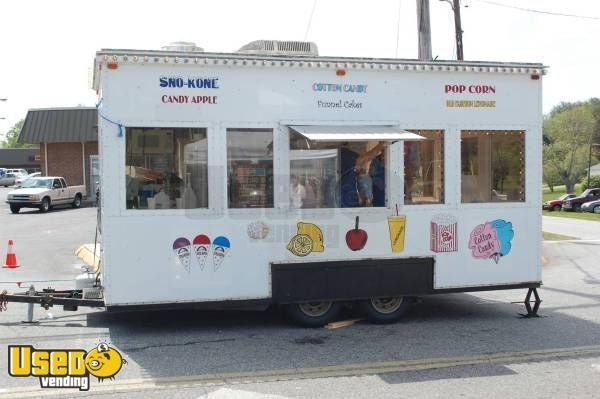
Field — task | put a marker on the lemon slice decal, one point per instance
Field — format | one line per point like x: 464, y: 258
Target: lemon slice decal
x: 301, y: 245
x: 309, y: 238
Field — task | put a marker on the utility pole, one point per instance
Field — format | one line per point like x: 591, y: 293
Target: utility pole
x: 590, y: 163
x: 458, y: 30
x: 424, y: 30
x: 455, y: 4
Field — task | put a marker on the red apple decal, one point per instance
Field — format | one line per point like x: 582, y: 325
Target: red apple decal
x: 356, y: 238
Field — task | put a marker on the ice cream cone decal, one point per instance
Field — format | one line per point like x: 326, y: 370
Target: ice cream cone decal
x: 201, y: 248
x: 221, y: 247
x: 182, y: 249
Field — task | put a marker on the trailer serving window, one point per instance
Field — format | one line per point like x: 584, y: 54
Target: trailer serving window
x: 424, y: 168
x: 166, y: 168
x: 492, y: 166
x: 250, y: 168
x: 340, y: 166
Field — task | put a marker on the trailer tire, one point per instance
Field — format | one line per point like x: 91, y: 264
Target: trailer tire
x: 313, y: 314
x: 385, y: 310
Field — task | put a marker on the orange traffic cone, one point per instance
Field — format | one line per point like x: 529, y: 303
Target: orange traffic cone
x: 11, y: 258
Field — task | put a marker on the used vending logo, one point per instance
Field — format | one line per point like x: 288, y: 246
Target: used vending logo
x: 64, y: 368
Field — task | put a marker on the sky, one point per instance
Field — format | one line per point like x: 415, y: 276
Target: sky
x: 47, y: 47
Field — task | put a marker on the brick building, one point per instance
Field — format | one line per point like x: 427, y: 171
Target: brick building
x: 20, y: 158
x: 68, y: 140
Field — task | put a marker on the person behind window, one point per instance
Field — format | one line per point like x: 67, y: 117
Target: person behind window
x: 369, y: 170
x: 297, y: 192
x: 310, y: 201
x: 378, y: 174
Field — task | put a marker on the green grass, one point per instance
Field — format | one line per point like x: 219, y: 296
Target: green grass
x: 556, y: 237
x: 558, y: 191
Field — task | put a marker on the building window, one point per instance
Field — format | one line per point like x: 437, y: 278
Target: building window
x: 424, y: 168
x: 250, y: 168
x: 166, y: 168
x: 492, y: 166
x: 336, y: 174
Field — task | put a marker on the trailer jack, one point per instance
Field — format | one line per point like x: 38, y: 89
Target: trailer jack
x: 531, y: 312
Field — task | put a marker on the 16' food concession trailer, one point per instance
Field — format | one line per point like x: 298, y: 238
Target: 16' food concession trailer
x: 275, y: 176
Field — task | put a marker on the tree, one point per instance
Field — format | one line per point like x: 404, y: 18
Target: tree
x: 570, y: 130
x: 12, y: 137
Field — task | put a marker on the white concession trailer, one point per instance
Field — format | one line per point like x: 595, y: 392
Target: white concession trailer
x: 273, y: 175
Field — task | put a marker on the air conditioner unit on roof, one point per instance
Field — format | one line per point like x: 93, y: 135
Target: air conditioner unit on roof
x: 277, y: 47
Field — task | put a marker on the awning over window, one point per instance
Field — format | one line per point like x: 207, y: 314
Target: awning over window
x: 355, y: 133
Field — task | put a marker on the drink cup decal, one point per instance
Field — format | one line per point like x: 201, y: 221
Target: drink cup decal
x: 444, y: 237
x: 202, y: 247
x: 397, y: 228
x: 182, y: 250
x: 221, y: 247
x: 491, y: 240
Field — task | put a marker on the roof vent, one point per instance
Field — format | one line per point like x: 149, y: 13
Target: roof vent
x: 187, y: 47
x: 277, y: 47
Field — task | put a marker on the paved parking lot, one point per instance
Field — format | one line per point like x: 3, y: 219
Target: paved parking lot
x: 468, y: 345
x: 45, y: 242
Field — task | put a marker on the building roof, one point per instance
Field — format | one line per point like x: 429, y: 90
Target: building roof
x: 60, y: 125
x: 19, y: 158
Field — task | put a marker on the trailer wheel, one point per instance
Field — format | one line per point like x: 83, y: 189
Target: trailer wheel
x: 385, y: 310
x: 313, y: 314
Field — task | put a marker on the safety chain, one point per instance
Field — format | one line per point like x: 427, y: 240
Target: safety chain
x: 3, y: 300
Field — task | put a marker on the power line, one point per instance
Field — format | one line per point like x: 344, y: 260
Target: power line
x: 312, y: 12
x: 398, y: 29
x: 558, y: 14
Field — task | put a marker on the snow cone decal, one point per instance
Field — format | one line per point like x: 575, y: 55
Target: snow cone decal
x: 491, y: 240
x: 182, y: 250
x: 221, y: 246
x: 201, y: 249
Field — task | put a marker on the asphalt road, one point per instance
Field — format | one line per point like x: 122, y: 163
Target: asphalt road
x: 459, y: 345
x: 582, y: 229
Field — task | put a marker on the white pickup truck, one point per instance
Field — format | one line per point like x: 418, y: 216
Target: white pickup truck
x: 44, y: 193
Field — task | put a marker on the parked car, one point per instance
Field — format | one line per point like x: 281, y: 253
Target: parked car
x: 19, y: 181
x: 592, y: 206
x: 19, y: 171
x: 44, y: 193
x: 574, y: 204
x: 9, y: 179
x: 556, y: 204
